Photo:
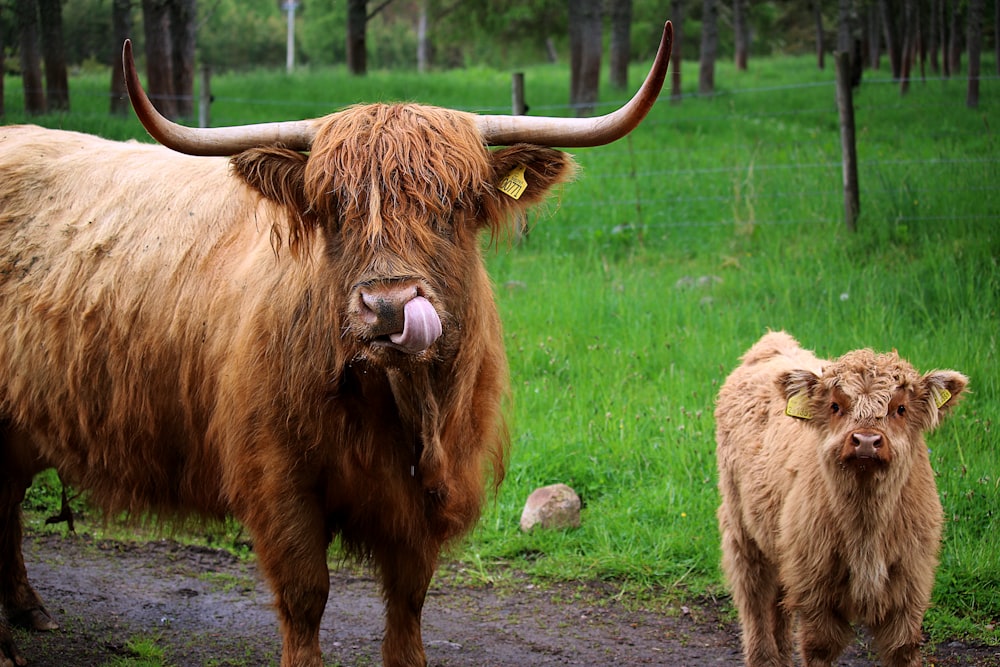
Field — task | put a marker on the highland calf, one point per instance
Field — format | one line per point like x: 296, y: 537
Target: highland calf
x: 301, y: 335
x: 829, y: 509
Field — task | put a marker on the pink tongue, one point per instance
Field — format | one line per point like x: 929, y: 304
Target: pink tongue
x: 421, y: 326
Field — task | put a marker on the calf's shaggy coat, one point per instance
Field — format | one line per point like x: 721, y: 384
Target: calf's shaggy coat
x: 829, y: 509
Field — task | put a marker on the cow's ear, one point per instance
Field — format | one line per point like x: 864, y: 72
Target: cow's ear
x: 523, y: 175
x: 797, y: 389
x: 278, y: 174
x: 944, y: 389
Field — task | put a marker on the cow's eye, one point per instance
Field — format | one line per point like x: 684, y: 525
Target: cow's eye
x: 901, y: 410
x: 835, y: 408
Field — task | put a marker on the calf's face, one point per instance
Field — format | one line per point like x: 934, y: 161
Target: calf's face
x: 870, y: 410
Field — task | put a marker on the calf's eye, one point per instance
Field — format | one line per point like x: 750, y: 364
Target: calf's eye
x: 835, y: 408
x: 901, y: 410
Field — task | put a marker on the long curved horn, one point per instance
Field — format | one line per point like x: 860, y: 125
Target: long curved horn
x: 580, y: 132
x: 496, y: 130
x: 297, y: 135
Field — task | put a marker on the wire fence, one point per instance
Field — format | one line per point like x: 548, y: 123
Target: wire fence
x: 769, y: 184
x: 623, y: 183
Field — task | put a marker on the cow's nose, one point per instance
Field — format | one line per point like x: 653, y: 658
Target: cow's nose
x: 383, y: 307
x: 866, y: 444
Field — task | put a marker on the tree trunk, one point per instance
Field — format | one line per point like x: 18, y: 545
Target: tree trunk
x: 621, y: 42
x: 874, y: 39
x: 183, y: 24
x: 907, y: 49
x: 357, y: 50
x: 422, y: 45
x: 944, y: 14
x: 848, y: 42
x: 585, y: 54
x: 741, y: 34
x: 677, y: 17
x: 820, y: 46
x: 975, y: 40
x: 31, y: 67
x: 934, y: 36
x: 920, y: 16
x: 845, y: 29
x: 709, y: 47
x: 56, y: 78
x: 889, y: 13
x: 159, y: 56
x: 121, y: 28
x: 954, y: 40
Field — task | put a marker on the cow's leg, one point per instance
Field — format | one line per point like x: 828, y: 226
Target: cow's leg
x: 406, y: 575
x: 291, y: 543
x: 757, y: 595
x: 17, y: 598
x: 23, y: 605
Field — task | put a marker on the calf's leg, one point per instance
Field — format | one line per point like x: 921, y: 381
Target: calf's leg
x: 898, y: 638
x: 823, y: 634
x: 757, y: 595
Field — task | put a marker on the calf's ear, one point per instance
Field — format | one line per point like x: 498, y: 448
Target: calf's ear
x: 522, y: 176
x: 278, y: 174
x: 944, y: 391
x: 797, y: 386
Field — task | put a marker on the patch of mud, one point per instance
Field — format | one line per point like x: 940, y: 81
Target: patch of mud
x: 206, y: 607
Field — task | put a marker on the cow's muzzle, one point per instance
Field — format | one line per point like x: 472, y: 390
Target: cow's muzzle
x: 398, y: 315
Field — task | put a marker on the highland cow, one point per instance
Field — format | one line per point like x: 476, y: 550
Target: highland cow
x: 303, y: 336
x: 829, y: 512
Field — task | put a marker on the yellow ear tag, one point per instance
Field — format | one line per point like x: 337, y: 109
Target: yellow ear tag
x: 513, y: 184
x: 940, y: 396
x: 798, y: 407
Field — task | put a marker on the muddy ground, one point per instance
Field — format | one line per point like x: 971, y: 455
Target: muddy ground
x: 207, y: 607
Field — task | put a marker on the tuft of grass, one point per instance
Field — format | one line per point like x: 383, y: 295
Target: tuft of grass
x: 145, y: 652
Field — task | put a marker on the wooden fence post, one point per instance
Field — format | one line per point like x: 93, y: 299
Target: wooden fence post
x: 205, y: 98
x: 848, y: 149
x: 518, y: 107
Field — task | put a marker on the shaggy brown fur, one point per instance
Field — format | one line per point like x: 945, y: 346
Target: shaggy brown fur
x: 831, y: 516
x: 163, y: 351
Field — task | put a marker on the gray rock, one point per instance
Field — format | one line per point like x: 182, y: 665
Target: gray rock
x: 554, y: 506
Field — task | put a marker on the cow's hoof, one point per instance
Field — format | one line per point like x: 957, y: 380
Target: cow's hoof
x: 9, y: 656
x: 35, y: 619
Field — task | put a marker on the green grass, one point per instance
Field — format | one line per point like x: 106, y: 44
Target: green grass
x: 145, y: 652
x: 622, y: 318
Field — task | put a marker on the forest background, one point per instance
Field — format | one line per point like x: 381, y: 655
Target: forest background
x: 55, y: 36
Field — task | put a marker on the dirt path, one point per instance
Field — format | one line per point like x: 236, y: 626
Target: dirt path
x: 206, y: 607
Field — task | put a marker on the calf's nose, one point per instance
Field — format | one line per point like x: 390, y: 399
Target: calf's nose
x: 866, y: 444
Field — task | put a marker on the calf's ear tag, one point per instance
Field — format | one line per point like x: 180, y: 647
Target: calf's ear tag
x: 798, y: 406
x: 940, y: 396
x: 513, y: 184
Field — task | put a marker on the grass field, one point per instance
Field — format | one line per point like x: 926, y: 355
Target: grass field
x: 640, y: 285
